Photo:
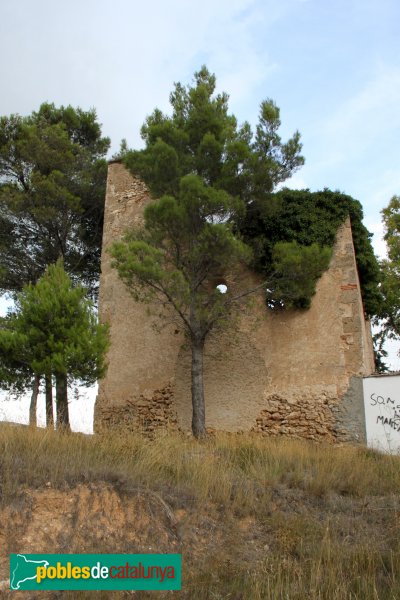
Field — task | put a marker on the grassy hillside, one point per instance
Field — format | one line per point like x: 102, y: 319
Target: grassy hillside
x: 255, y: 519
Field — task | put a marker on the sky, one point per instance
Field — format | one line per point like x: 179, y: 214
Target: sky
x: 333, y: 68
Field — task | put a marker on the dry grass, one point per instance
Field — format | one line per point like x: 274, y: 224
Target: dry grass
x: 264, y: 518
x: 224, y: 468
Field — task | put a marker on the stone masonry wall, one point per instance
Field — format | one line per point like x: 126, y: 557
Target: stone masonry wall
x: 276, y: 373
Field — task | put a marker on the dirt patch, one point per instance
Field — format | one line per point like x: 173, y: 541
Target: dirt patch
x: 88, y: 518
x: 100, y: 518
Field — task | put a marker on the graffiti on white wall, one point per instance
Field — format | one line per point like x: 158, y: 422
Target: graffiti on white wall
x: 382, y: 412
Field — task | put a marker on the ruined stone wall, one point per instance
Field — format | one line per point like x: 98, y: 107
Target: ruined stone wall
x: 278, y: 373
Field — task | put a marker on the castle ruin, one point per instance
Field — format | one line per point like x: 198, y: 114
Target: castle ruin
x: 295, y: 372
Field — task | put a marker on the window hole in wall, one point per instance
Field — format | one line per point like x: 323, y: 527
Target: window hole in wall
x: 222, y: 288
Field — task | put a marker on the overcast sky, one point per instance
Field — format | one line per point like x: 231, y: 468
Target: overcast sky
x: 332, y: 66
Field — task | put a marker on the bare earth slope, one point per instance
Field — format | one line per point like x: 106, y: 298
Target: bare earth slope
x: 252, y: 519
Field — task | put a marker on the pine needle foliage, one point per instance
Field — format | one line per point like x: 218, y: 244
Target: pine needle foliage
x: 53, y: 332
x: 52, y: 186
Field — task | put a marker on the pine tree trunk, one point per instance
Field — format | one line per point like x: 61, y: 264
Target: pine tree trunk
x: 62, y: 403
x: 49, y: 403
x: 33, y: 404
x: 199, y: 413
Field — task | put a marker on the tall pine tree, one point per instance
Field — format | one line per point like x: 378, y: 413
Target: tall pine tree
x: 206, y: 172
x: 52, y: 185
x: 53, y: 332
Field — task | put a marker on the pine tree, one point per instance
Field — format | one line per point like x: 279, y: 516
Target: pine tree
x: 52, y: 185
x: 389, y: 321
x: 215, y: 209
x: 206, y: 172
x: 54, y: 333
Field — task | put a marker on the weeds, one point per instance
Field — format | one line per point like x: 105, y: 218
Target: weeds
x: 265, y: 519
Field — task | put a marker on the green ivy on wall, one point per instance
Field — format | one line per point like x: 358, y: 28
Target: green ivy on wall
x: 311, y: 219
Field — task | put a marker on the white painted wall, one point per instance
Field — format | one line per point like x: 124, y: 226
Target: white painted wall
x: 382, y: 412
